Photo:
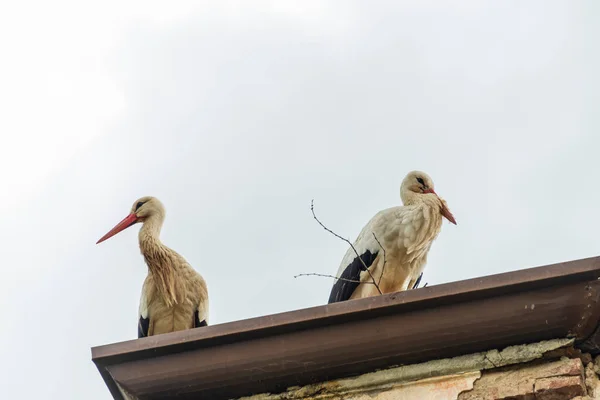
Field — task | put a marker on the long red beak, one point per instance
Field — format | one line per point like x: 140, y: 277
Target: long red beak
x: 126, y: 223
x: 444, y: 210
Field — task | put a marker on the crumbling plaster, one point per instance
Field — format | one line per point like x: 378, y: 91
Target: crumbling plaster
x: 445, y: 377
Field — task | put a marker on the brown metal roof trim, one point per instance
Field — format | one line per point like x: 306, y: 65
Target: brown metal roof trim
x: 271, y: 353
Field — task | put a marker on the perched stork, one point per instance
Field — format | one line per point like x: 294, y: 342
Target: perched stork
x: 406, y: 233
x: 174, y: 296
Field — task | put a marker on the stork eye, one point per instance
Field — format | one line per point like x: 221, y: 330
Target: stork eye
x: 421, y: 181
x: 138, y: 205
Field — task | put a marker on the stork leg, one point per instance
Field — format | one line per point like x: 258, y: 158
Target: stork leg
x: 415, y: 285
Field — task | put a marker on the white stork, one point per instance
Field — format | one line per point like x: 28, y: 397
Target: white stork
x: 174, y: 296
x: 406, y: 233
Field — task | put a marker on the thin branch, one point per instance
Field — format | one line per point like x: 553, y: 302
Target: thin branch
x: 312, y: 209
x: 384, y: 258
x: 331, y: 276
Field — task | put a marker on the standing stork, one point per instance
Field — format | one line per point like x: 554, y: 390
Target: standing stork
x: 174, y: 296
x: 405, y: 233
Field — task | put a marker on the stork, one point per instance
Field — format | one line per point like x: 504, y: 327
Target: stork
x: 399, y: 237
x: 174, y: 296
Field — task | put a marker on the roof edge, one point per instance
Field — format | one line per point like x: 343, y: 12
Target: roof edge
x: 271, y: 353
x: 465, y: 290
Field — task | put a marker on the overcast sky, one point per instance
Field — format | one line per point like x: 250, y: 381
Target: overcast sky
x: 237, y: 114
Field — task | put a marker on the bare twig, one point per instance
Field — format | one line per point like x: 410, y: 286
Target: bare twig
x: 331, y: 276
x: 384, y: 258
x: 312, y: 209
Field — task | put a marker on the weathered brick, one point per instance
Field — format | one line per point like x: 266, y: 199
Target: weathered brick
x: 592, y: 383
x: 569, y: 352
x: 526, y: 382
x: 559, y: 388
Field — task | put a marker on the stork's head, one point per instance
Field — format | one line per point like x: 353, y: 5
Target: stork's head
x: 417, y: 184
x: 142, y: 209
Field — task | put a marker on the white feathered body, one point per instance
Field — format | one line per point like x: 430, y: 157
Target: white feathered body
x: 179, y: 313
x: 173, y: 292
x: 406, y: 233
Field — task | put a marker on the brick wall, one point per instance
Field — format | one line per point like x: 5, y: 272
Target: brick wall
x: 550, y: 370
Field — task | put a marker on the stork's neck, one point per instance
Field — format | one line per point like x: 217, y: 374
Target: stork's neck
x: 426, y: 208
x: 149, y: 235
x: 410, y: 198
x: 160, y: 259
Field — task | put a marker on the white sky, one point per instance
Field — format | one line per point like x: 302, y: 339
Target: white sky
x: 237, y: 114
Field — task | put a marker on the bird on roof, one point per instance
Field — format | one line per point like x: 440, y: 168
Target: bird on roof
x: 405, y: 233
x: 174, y: 296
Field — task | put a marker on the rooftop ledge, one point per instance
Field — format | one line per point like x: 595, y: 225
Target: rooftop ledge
x: 275, y: 352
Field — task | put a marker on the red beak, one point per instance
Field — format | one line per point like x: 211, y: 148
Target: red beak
x: 126, y: 223
x: 444, y: 210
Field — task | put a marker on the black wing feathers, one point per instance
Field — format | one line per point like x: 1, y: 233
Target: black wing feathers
x: 143, y: 325
x: 342, y: 290
x: 197, y: 322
